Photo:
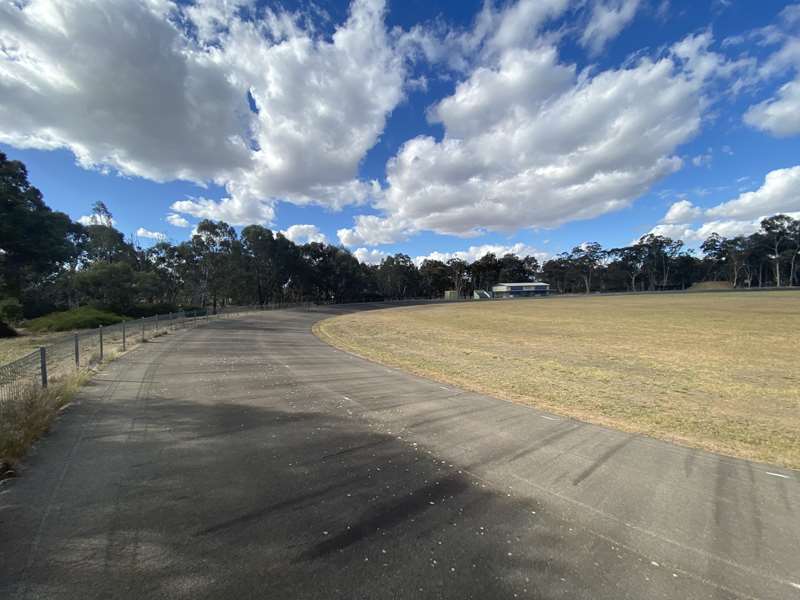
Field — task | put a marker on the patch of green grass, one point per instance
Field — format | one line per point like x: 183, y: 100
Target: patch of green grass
x: 84, y: 317
x: 715, y: 371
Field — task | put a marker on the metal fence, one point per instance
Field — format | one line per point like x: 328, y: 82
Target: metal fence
x: 72, y: 352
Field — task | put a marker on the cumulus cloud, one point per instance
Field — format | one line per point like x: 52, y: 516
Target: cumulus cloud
x: 119, y: 86
x: 691, y: 234
x: 607, y: 19
x: 530, y: 142
x: 682, y: 211
x: 780, y: 193
x: 303, y: 234
x: 369, y: 256
x: 94, y: 219
x: 372, y: 230
x: 234, y: 211
x: 373, y: 256
x: 177, y: 221
x: 150, y: 235
x: 164, y: 91
x: 779, y: 115
x: 473, y: 253
x: 494, y: 31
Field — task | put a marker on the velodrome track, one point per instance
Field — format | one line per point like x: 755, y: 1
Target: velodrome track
x: 248, y: 459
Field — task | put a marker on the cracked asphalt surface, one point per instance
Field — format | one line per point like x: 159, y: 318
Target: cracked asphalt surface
x: 248, y: 459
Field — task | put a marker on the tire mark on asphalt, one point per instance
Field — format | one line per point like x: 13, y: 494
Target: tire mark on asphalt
x: 118, y: 542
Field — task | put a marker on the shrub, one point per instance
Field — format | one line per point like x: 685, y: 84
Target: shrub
x: 148, y: 310
x: 10, y: 310
x: 7, y: 331
x: 85, y: 317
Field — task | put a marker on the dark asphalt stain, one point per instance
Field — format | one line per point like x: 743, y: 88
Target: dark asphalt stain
x: 295, y: 502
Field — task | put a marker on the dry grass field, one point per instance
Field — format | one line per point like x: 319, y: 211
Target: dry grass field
x: 718, y: 371
x: 14, y: 348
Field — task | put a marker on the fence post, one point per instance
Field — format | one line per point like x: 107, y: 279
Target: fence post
x: 101, y: 343
x: 123, y: 336
x: 155, y: 329
x: 77, y: 353
x: 43, y: 365
x: 142, y: 329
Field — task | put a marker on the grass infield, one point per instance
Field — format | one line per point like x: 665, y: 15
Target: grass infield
x: 713, y: 371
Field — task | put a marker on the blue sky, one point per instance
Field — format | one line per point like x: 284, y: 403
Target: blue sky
x: 417, y: 127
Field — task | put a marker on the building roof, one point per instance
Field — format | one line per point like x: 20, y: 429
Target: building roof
x: 525, y: 283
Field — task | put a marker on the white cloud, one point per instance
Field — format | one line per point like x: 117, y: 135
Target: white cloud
x: 234, y: 211
x: 607, y: 19
x: 369, y: 256
x: 531, y: 143
x: 780, y: 193
x: 494, y: 31
x: 93, y: 219
x: 123, y: 86
x: 682, y: 211
x: 791, y: 14
x: 780, y: 115
x: 703, y: 160
x: 371, y: 230
x: 473, y: 253
x: 691, y: 234
x: 177, y: 221
x: 119, y: 86
x: 150, y: 235
x: 374, y: 256
x: 303, y: 234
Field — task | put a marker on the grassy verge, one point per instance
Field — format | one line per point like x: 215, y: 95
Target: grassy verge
x: 14, y: 348
x: 714, y: 371
x: 22, y: 423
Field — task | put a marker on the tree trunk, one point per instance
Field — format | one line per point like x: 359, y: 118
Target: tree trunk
x: 778, y: 272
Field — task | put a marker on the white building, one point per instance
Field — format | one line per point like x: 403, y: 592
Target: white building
x: 520, y: 290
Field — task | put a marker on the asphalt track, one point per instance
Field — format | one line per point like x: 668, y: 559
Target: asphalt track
x: 248, y: 459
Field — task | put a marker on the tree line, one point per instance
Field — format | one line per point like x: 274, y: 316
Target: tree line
x: 49, y: 262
